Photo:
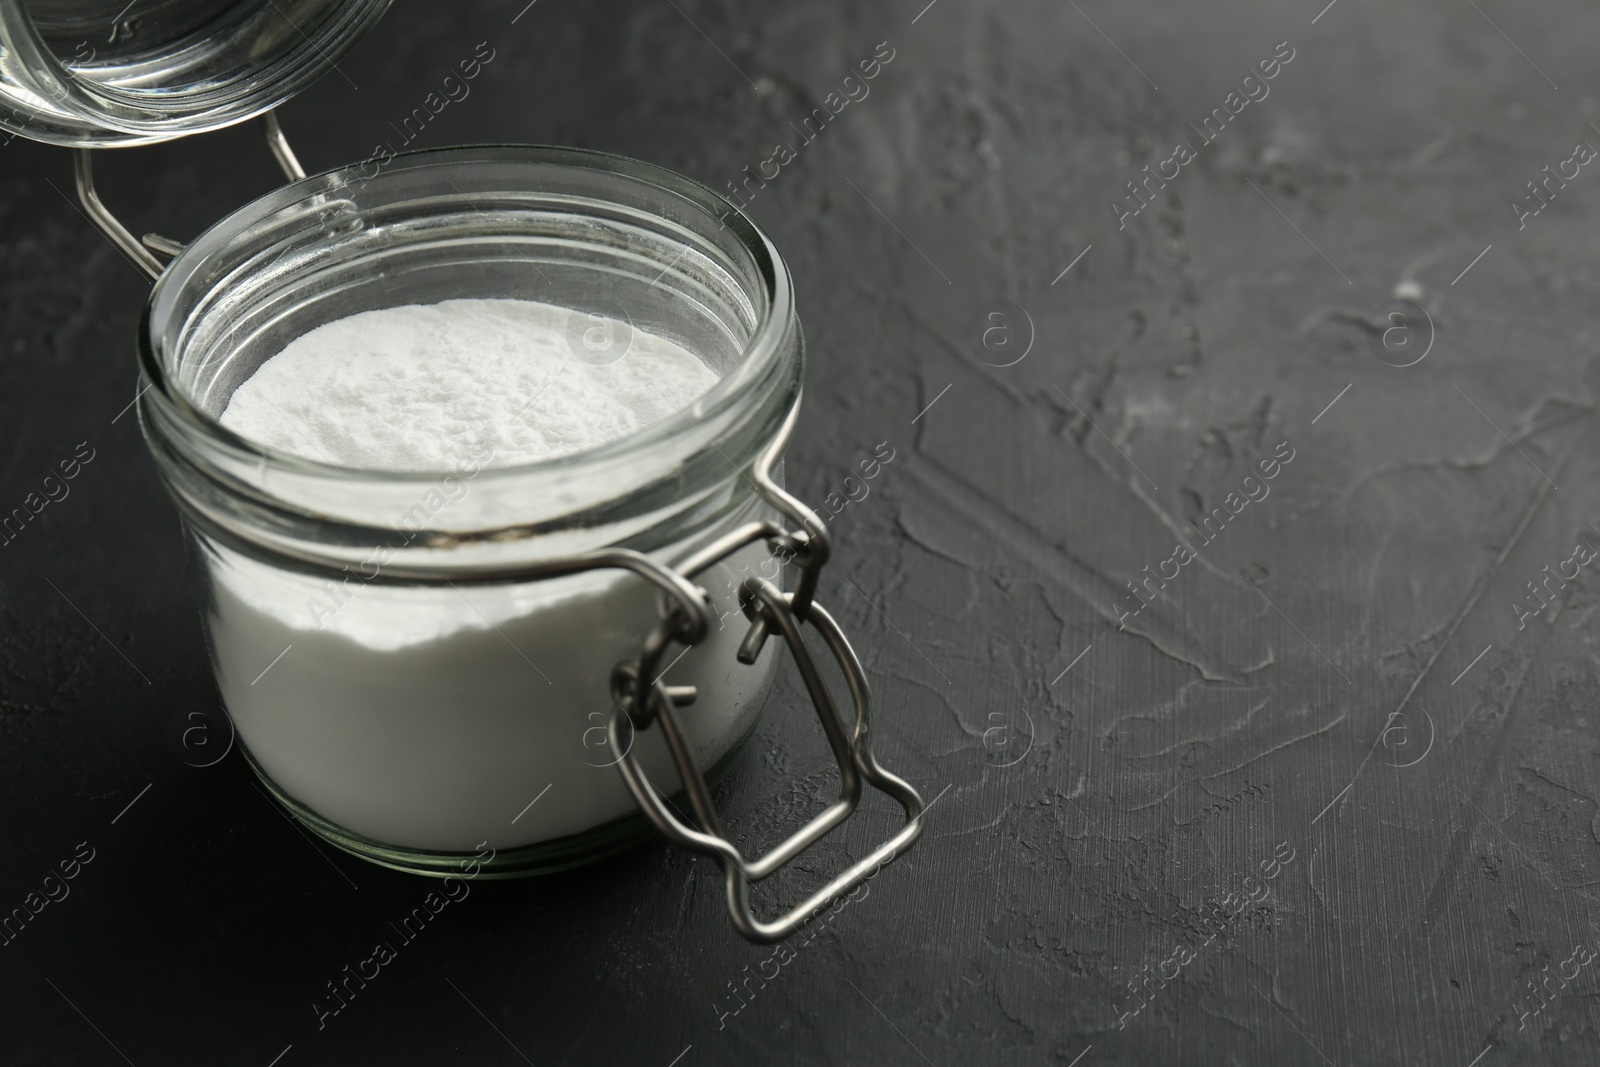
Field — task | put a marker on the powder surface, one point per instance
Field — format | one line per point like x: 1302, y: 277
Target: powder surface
x: 428, y: 387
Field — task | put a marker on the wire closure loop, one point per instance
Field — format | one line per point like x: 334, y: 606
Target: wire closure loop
x: 641, y: 704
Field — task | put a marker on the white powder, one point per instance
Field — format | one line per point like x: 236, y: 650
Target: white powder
x: 431, y: 717
x: 425, y: 387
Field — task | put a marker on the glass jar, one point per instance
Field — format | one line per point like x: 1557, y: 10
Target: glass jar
x: 423, y: 665
x: 410, y: 723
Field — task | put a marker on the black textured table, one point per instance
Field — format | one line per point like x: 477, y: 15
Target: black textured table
x: 1229, y: 594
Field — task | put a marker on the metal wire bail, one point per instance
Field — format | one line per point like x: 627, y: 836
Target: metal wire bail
x: 143, y: 252
x: 771, y: 611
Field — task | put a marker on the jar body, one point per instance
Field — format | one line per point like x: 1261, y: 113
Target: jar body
x: 394, y: 673
x: 433, y: 719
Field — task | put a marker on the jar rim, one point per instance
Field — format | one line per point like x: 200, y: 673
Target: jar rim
x: 764, y: 347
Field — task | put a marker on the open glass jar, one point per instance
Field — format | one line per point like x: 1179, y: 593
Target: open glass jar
x: 529, y: 657
x: 411, y: 722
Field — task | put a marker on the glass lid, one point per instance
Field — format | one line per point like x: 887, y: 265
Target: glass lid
x: 97, y: 73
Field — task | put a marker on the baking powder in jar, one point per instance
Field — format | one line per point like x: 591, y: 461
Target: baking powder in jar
x: 353, y: 382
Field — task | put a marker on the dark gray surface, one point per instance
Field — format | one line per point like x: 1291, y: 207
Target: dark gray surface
x: 1442, y: 858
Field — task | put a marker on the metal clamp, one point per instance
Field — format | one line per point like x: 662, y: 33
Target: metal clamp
x: 641, y: 704
x: 143, y: 252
